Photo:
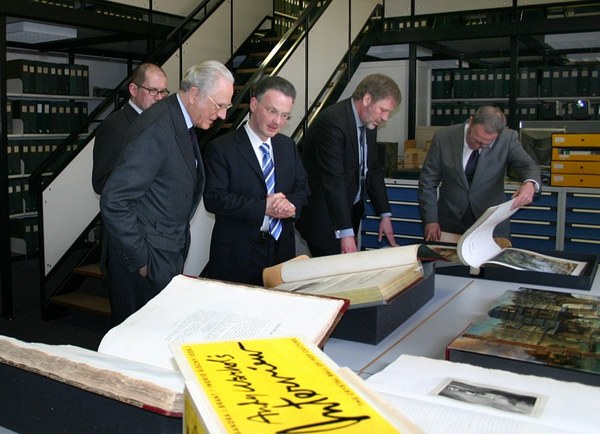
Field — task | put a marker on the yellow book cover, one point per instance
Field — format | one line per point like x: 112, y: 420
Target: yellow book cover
x: 276, y: 385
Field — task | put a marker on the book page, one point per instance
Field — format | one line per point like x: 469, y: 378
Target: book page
x: 477, y: 244
x: 357, y: 262
x: 196, y: 310
x: 364, y: 288
x: 410, y: 383
x: 520, y: 259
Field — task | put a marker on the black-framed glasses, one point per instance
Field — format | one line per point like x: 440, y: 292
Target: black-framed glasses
x: 154, y: 92
x: 219, y: 107
x: 274, y: 113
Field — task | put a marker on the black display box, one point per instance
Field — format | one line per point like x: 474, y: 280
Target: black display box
x: 35, y: 403
x: 583, y: 281
x: 372, y: 324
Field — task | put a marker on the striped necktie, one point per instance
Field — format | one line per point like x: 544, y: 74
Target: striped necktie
x: 268, y: 169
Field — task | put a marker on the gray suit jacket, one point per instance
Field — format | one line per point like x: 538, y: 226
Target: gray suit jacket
x: 443, y: 167
x: 153, y: 191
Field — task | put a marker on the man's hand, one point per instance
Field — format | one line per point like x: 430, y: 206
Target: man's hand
x: 386, y: 228
x: 524, y: 195
x: 279, y: 207
x: 348, y: 245
x: 432, y: 232
x: 143, y: 271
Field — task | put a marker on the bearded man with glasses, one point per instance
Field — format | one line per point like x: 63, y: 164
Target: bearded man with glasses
x: 469, y: 162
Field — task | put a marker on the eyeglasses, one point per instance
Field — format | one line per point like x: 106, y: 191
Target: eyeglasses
x: 479, y: 143
x: 219, y: 107
x: 272, y: 112
x: 154, y: 92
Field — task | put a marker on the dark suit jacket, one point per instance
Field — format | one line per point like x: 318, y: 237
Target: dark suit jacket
x: 235, y: 193
x: 443, y: 166
x: 330, y: 157
x: 152, y: 193
x: 110, y: 140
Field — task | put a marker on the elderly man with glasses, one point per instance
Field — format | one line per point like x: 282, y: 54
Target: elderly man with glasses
x: 156, y: 186
x: 255, y: 186
x: 469, y: 162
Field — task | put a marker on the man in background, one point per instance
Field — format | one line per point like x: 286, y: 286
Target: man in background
x: 341, y: 159
x: 156, y: 186
x: 468, y: 163
x: 256, y: 187
x: 148, y: 85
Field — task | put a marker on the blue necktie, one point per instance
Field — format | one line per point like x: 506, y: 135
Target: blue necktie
x: 268, y: 169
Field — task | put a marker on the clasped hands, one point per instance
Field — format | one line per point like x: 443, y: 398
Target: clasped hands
x: 278, y: 206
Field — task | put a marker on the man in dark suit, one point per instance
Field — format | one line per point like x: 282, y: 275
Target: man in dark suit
x: 254, y: 223
x: 148, y: 85
x: 468, y: 163
x: 341, y: 159
x: 156, y: 186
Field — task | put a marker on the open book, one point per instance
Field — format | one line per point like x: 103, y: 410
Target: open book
x: 198, y: 310
x: 365, y: 278
x: 277, y: 385
x: 445, y: 397
x: 477, y: 247
x: 141, y: 385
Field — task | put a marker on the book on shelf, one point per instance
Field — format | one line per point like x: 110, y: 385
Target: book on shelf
x: 445, y: 397
x: 538, y: 332
x: 477, y: 248
x: 276, y: 385
x: 195, y: 309
x: 366, y: 278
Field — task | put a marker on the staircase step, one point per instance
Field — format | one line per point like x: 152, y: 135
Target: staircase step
x: 86, y: 302
x: 252, y: 70
x: 91, y: 270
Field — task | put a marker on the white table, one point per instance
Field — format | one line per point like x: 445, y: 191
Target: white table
x: 457, y: 301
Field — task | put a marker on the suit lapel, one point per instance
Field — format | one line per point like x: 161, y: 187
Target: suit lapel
x: 244, y: 147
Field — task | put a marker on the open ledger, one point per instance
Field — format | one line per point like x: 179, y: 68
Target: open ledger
x: 277, y: 385
x: 477, y: 247
x: 447, y: 398
x: 197, y: 310
x: 365, y: 278
x: 134, y: 364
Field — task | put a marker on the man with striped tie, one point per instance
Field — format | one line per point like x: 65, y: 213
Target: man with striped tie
x: 256, y: 186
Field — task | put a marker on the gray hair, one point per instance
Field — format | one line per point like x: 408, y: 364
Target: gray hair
x: 276, y: 83
x: 492, y: 119
x: 205, y: 76
x: 379, y: 86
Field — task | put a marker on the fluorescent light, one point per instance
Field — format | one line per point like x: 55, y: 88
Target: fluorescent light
x: 34, y: 33
x: 583, y: 57
x: 567, y: 41
x: 397, y: 51
x: 447, y: 64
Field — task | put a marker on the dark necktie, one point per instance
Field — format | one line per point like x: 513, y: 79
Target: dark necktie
x: 268, y: 169
x: 471, y: 165
x: 362, y: 164
x: 194, y: 138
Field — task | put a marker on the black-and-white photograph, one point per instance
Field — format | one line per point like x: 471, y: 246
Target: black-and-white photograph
x: 490, y: 397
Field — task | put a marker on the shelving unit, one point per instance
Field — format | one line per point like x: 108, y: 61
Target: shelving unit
x: 561, y: 218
